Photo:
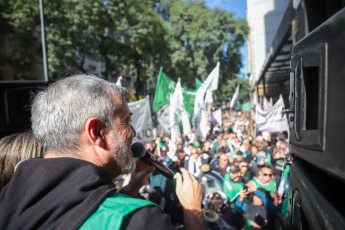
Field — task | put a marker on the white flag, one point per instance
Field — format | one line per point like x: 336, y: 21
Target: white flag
x: 180, y: 108
x: 217, y: 116
x: 271, y: 120
x: 211, y: 83
x: 175, y: 135
x: 163, y: 119
x: 200, y: 120
x: 141, y: 119
x: 235, y: 96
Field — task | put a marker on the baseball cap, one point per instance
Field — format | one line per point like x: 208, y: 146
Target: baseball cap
x: 259, y: 138
x: 234, y: 169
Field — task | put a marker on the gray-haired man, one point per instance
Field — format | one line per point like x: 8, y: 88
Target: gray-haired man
x: 85, y: 127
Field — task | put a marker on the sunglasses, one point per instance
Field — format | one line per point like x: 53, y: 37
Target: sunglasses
x: 266, y: 174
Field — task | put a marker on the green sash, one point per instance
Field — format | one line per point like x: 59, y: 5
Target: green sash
x: 271, y: 186
x: 113, y: 210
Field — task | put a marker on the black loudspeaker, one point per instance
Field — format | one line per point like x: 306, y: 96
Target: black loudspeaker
x: 15, y: 112
x: 317, y: 126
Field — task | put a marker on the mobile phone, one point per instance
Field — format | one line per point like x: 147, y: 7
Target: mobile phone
x: 245, y: 187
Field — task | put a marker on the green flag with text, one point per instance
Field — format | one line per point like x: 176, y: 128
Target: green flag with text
x: 166, y: 87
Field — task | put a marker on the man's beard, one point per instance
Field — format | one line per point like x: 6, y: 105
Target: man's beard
x: 123, y: 155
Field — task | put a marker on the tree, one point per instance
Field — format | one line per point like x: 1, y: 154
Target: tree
x: 199, y: 38
x: 135, y: 38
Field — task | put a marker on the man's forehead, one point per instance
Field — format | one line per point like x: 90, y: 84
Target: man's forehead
x: 266, y: 170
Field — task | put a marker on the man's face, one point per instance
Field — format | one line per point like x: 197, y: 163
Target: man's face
x: 266, y: 175
x: 223, y: 160
x: 235, y: 176
x: 164, y: 151
x: 122, y: 134
x: 149, y: 147
x: 254, y: 151
x: 239, y: 157
x: 237, y: 141
x: 244, y: 168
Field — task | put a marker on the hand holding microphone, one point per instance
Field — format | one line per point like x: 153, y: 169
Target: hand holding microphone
x: 140, y: 152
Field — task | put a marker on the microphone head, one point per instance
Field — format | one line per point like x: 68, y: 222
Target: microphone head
x: 138, y: 150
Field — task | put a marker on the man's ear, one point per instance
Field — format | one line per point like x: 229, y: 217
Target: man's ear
x: 95, y: 130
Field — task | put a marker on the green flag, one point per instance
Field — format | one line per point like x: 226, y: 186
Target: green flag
x: 198, y: 83
x: 165, y: 86
x: 246, y: 107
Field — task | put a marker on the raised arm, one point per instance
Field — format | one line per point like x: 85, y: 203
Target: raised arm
x: 189, y: 193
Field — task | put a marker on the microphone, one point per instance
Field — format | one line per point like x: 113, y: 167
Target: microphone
x: 140, y: 152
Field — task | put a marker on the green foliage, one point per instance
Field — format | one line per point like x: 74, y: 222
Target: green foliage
x: 199, y: 37
x: 135, y: 38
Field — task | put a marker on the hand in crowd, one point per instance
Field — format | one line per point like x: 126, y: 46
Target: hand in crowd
x: 243, y: 194
x: 251, y: 186
x: 255, y: 225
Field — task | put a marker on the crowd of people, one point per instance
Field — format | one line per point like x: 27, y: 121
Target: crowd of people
x: 250, y: 174
x: 74, y: 169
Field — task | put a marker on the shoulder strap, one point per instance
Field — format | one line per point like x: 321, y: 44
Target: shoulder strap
x: 83, y: 211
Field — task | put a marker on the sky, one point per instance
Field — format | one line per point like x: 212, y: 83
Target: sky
x: 239, y: 8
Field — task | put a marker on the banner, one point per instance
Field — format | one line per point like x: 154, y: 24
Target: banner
x: 141, y: 119
x: 271, y: 120
x: 266, y: 104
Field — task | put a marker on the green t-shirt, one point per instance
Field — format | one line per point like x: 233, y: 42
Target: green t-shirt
x: 230, y: 188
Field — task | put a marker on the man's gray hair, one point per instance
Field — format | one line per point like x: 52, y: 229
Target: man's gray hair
x: 59, y: 112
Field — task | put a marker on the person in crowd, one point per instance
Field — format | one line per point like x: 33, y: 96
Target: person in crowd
x: 245, y: 172
x: 179, y: 163
x: 254, y: 210
x: 223, y: 147
x: 208, y: 150
x: 247, y: 146
x: 261, y: 143
x: 83, y: 123
x: 189, y: 149
x: 179, y: 147
x: 165, y: 159
x: 193, y: 163
x: 279, y: 160
x: 238, y: 145
x: 239, y: 158
x: 264, y: 180
x: 15, y: 148
x: 205, y: 158
x: 233, y: 183
x: 223, y: 165
x: 149, y: 147
x: 216, y: 144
